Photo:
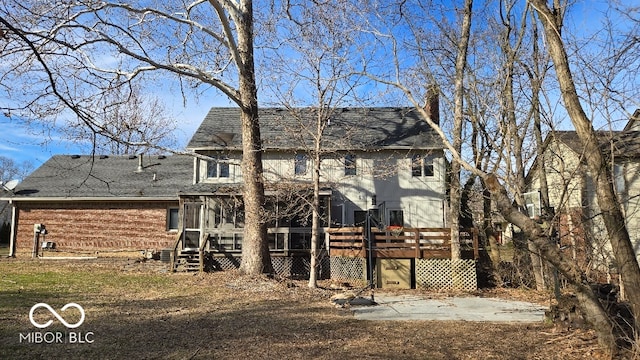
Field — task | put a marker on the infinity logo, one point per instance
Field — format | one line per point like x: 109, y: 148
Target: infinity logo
x: 46, y: 306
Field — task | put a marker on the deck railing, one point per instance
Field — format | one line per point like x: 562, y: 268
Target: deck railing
x: 419, y: 243
x: 204, y: 244
x: 174, y: 253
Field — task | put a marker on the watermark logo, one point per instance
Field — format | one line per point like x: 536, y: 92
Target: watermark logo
x: 60, y: 318
x: 57, y: 337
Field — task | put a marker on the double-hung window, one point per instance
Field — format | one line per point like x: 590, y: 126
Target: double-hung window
x: 300, y: 164
x: 421, y: 166
x: 218, y: 167
x: 349, y: 165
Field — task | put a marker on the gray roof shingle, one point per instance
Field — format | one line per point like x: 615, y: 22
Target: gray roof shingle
x: 349, y: 129
x: 624, y: 144
x: 112, y: 177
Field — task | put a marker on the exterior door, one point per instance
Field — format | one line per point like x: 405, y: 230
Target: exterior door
x: 192, y: 221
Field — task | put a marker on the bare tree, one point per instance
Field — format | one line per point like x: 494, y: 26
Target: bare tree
x: 552, y: 21
x: 10, y: 170
x: 72, y: 54
x: 314, y: 65
x: 503, y: 201
x: 135, y: 124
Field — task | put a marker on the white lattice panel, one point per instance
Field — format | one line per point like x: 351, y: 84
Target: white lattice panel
x: 347, y: 268
x: 445, y: 274
x: 281, y: 265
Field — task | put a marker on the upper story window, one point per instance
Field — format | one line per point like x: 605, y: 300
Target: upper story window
x: 300, y: 164
x: 532, y: 203
x: 421, y: 165
x: 350, y: 164
x: 218, y: 167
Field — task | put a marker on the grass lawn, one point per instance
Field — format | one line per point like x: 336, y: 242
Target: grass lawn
x: 144, y: 313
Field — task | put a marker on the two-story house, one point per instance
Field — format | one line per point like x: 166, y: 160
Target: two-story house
x: 386, y: 159
x: 572, y: 196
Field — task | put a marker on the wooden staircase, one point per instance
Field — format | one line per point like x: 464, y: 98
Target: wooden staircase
x: 187, y: 260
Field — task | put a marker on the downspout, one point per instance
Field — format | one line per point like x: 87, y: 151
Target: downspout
x: 12, y: 236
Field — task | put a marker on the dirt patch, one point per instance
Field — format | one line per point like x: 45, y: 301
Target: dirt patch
x: 140, y: 311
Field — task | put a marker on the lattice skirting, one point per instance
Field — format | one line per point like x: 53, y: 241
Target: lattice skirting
x: 292, y: 266
x: 348, y: 268
x: 441, y: 274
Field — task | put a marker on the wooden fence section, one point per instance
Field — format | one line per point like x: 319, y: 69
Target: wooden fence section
x: 432, y: 243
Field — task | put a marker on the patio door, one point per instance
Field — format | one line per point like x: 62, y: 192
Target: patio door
x: 192, y: 221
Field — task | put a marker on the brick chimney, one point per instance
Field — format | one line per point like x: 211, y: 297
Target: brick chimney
x: 432, y: 105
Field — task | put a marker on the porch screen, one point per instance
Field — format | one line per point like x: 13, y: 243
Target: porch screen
x: 192, y: 225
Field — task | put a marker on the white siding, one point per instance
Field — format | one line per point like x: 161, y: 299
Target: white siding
x: 385, y: 174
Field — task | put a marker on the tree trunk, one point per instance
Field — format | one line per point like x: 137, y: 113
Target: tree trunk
x: 489, y: 234
x: 315, y: 221
x: 607, y: 201
x: 458, y: 118
x: 255, y: 248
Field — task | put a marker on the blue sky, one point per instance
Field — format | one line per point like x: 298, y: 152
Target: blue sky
x: 21, y: 142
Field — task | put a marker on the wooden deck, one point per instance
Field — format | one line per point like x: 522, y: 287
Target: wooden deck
x: 419, y: 243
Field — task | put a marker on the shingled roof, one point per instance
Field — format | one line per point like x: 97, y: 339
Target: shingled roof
x: 348, y: 129
x: 624, y: 144
x: 107, y: 177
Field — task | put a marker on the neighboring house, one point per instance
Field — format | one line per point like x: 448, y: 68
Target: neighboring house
x: 97, y: 203
x: 572, y: 196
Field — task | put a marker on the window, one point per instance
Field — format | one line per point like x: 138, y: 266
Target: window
x: 300, y: 164
x: 228, y: 215
x: 172, y: 218
x: 618, y: 179
x: 350, y: 165
x: 421, y: 165
x: 532, y: 203
x: 396, y: 218
x: 359, y: 217
x: 337, y: 215
x: 277, y: 241
x: 218, y: 167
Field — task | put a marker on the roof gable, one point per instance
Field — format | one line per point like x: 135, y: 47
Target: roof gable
x: 348, y: 129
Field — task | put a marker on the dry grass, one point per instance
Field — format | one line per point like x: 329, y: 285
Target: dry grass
x: 141, y: 313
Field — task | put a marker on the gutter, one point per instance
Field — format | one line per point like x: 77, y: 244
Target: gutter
x: 333, y: 149
x: 97, y: 198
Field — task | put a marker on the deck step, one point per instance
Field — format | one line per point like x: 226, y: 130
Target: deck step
x: 187, y: 261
